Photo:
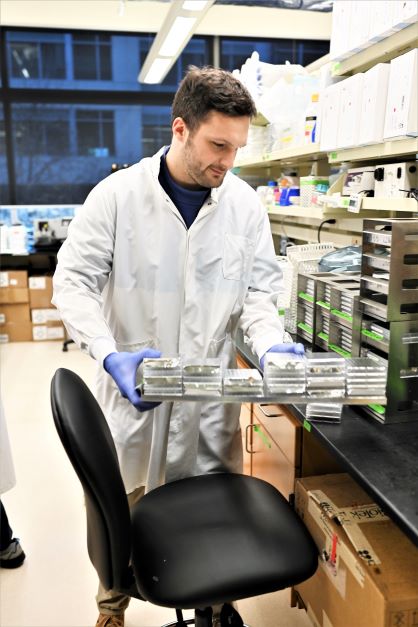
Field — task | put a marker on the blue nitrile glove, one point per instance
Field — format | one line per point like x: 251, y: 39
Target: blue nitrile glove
x: 288, y: 347
x: 122, y: 368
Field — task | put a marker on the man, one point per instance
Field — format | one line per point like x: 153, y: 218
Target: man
x: 171, y: 256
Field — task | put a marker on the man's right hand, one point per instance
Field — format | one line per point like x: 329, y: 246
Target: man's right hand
x: 122, y: 368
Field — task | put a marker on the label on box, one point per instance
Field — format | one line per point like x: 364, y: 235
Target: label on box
x: 355, y: 202
x: 55, y: 333
x: 4, y: 338
x: 43, y: 332
x: 4, y: 279
x: 349, y: 518
x: 37, y: 283
x: 40, y: 316
x: 2, y: 318
x: 333, y: 550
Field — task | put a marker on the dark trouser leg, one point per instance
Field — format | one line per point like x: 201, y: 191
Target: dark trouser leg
x: 5, y: 531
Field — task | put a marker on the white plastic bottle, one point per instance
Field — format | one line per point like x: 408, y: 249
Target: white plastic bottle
x: 311, y: 117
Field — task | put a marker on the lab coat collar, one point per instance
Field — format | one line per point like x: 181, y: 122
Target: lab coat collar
x: 156, y: 164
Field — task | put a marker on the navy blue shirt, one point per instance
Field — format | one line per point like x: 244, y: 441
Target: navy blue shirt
x: 187, y: 201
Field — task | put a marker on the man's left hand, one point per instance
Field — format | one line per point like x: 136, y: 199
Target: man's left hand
x: 288, y: 347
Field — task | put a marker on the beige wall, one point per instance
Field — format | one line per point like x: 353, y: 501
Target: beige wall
x: 147, y: 16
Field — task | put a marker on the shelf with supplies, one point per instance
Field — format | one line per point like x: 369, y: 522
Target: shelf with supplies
x: 380, y: 52
x: 384, y: 150
x: 341, y: 210
x: 295, y: 153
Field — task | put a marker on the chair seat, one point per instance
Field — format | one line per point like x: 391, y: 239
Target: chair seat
x: 215, y: 538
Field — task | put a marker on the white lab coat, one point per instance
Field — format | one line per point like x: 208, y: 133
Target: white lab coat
x: 131, y: 275
x: 7, y: 471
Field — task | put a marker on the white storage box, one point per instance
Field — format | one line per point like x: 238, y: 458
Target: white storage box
x: 405, y: 13
x: 341, y: 13
x: 359, y: 26
x: 381, y: 19
x: 350, y: 110
x: 402, y: 110
x: 373, y: 104
x: 330, y: 111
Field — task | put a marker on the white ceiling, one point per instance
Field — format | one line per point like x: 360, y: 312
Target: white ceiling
x: 148, y: 15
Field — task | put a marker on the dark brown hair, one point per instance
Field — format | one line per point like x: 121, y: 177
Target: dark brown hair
x: 207, y: 89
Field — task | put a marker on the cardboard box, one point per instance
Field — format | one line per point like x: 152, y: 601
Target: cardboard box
x: 368, y: 572
x: 40, y: 292
x: 373, y: 104
x: 14, y: 287
x: 40, y: 316
x: 16, y: 332
x: 14, y: 278
x: 401, y: 118
x: 10, y: 295
x: 14, y: 313
x: 48, y: 332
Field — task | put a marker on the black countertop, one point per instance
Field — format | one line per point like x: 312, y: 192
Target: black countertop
x: 382, y: 458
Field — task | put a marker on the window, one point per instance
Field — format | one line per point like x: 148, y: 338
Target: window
x: 91, y: 61
x: 62, y: 151
x: 234, y: 52
x: 30, y: 59
x: 92, y: 57
x: 41, y: 130
x: 4, y: 178
x: 95, y: 132
x: 156, y: 130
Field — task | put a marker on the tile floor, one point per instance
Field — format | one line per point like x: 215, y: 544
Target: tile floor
x: 56, y: 585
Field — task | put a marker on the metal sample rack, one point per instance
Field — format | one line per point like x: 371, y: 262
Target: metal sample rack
x: 389, y: 300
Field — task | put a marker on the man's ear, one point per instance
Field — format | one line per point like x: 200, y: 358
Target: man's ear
x: 179, y: 128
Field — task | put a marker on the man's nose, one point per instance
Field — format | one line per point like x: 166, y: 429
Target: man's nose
x: 228, y: 159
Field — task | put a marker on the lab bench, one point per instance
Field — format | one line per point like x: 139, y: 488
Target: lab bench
x: 382, y: 458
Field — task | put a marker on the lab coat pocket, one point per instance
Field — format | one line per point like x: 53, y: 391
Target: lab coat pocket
x: 139, y: 345
x: 236, y: 256
x: 223, y: 349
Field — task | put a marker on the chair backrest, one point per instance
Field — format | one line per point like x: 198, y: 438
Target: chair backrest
x: 87, y: 440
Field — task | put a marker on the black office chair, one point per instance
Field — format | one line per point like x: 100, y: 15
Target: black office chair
x: 193, y: 543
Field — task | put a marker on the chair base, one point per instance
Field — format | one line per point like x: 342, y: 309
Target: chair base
x: 202, y: 618
x: 189, y: 621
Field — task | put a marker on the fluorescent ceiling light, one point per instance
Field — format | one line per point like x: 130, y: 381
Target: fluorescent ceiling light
x: 177, y: 29
x: 194, y: 5
x: 180, y: 29
x: 157, y: 70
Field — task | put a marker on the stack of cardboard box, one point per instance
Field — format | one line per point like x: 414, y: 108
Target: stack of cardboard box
x: 26, y: 312
x: 15, y: 323
x: 45, y: 317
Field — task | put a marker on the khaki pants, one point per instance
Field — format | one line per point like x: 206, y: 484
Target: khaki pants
x: 112, y: 602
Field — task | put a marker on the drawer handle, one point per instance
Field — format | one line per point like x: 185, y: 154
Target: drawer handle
x: 266, y: 414
x: 247, y: 428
